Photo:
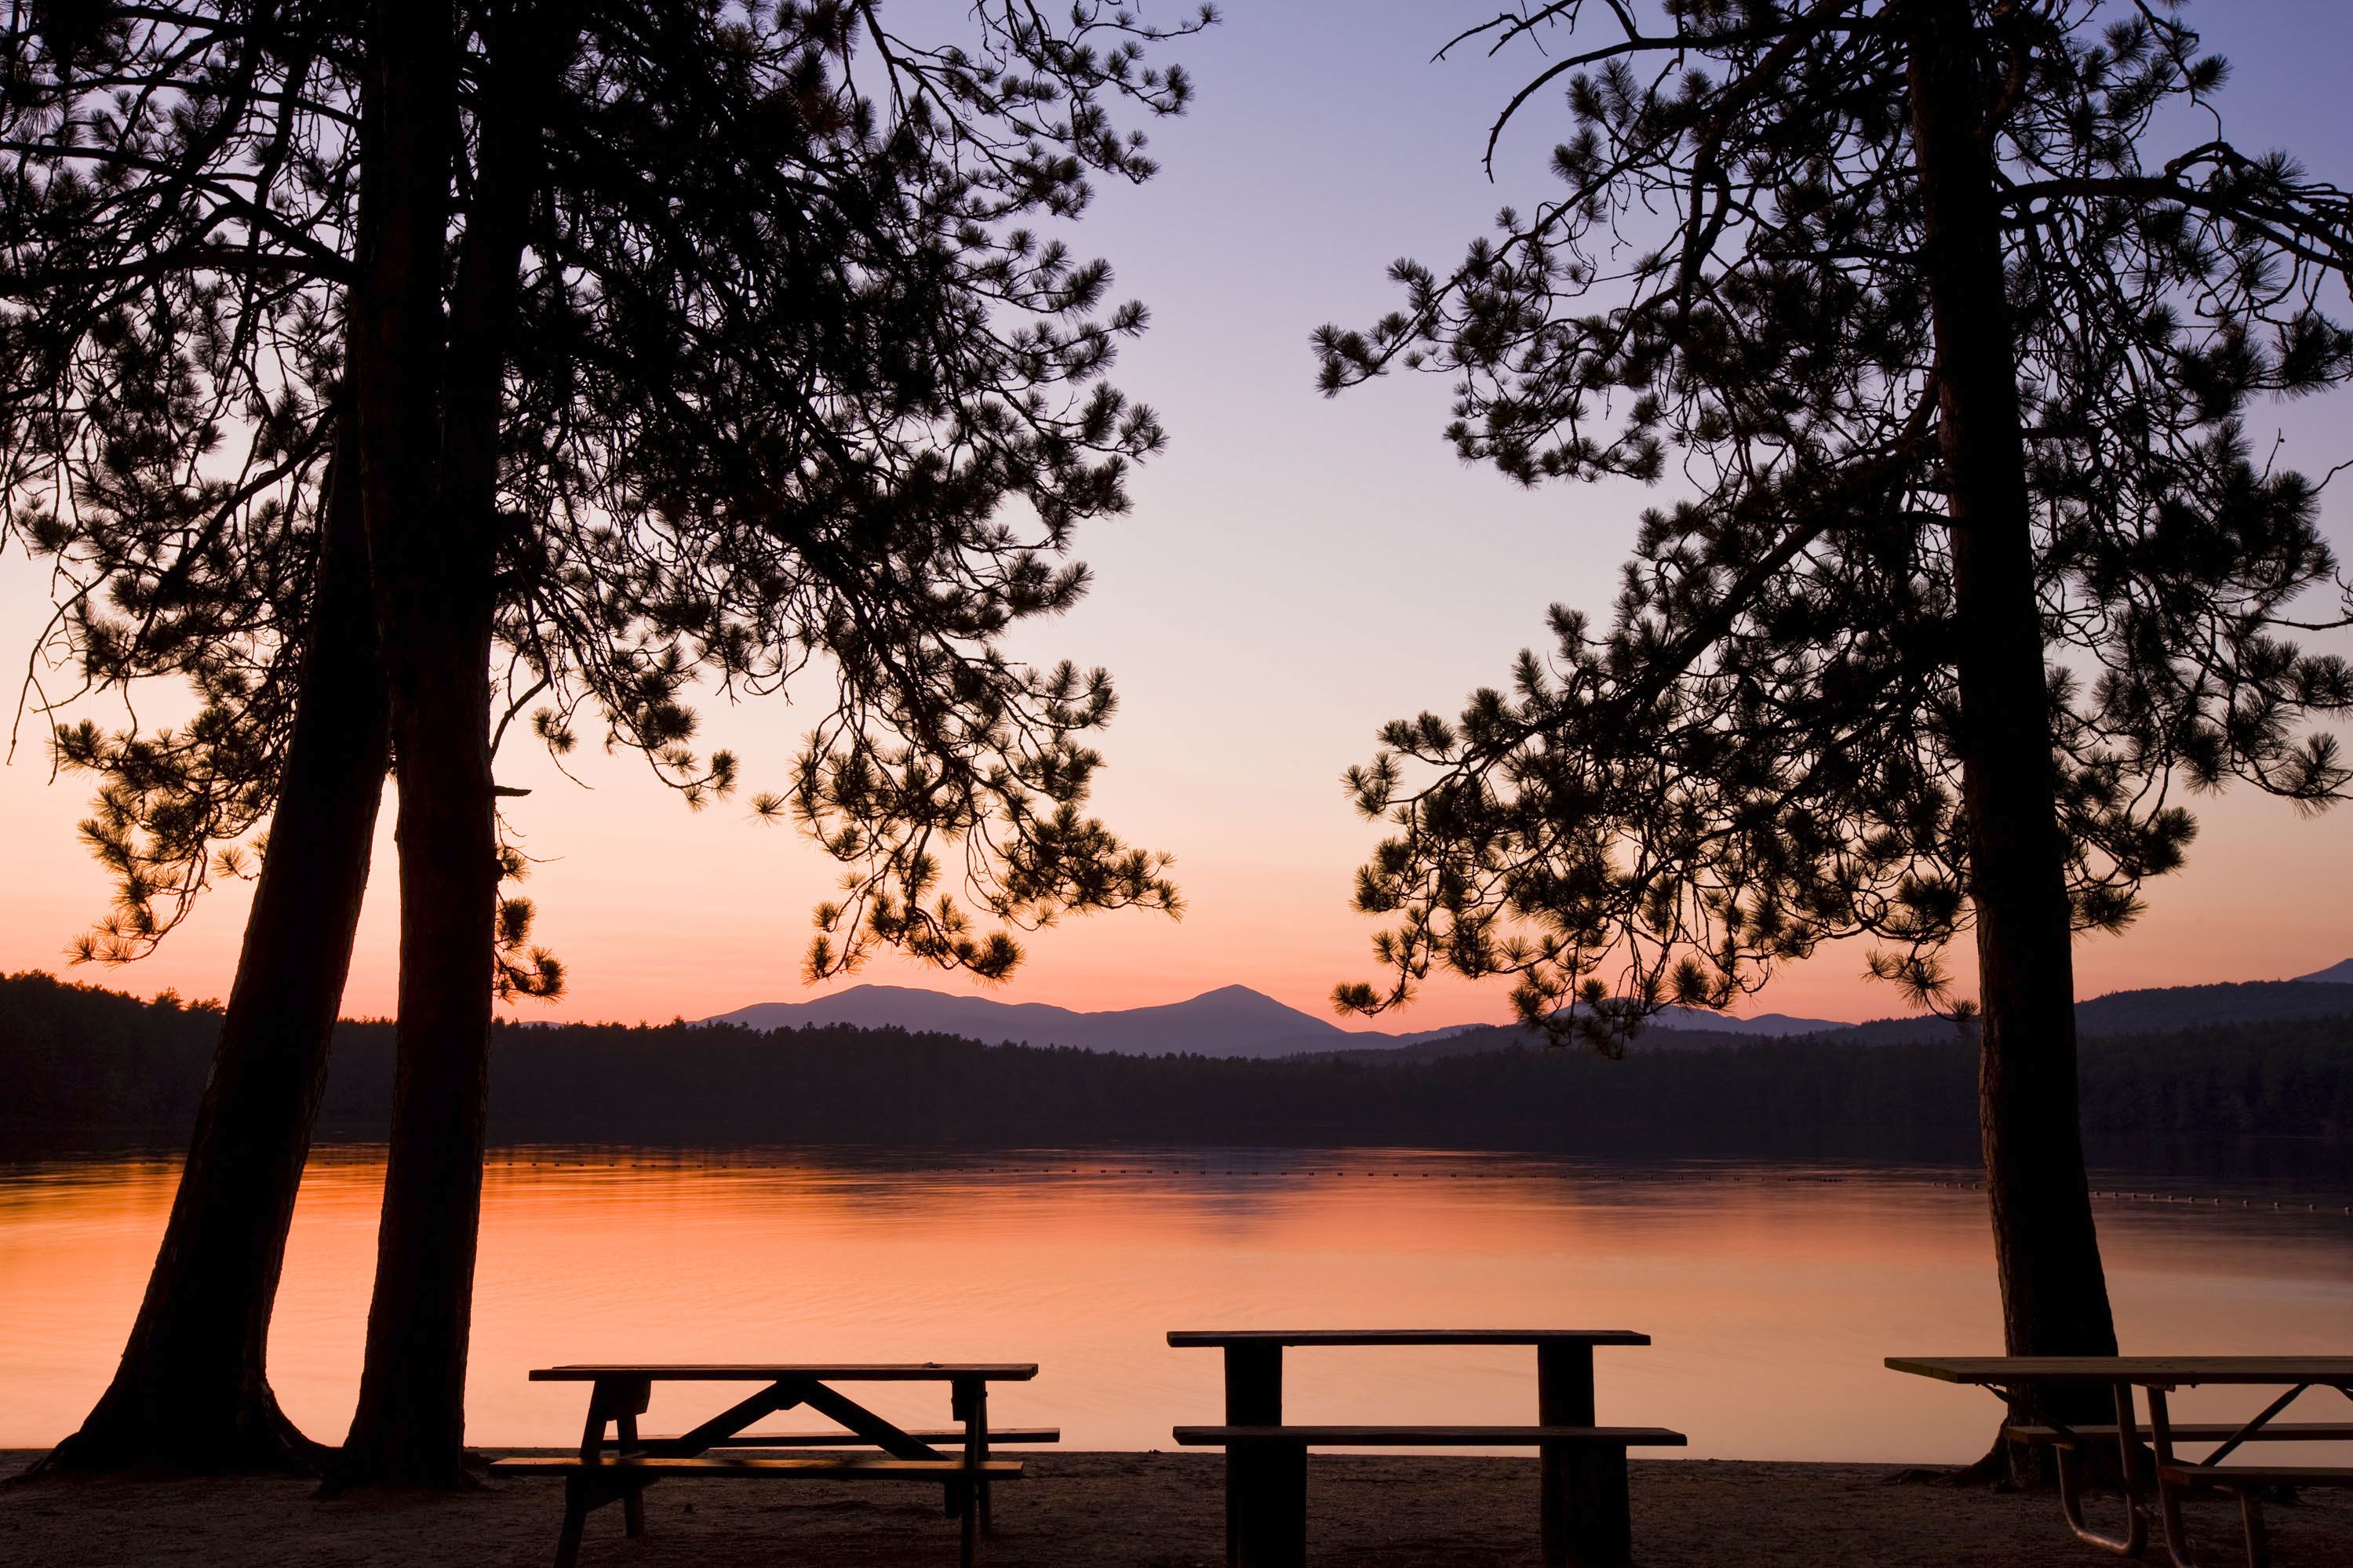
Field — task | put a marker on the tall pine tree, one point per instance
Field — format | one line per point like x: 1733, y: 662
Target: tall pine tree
x: 427, y: 242
x: 1951, y: 314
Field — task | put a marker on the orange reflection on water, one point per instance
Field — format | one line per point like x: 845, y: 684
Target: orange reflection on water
x: 1771, y: 1299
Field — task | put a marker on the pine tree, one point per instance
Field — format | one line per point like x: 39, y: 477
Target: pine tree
x: 668, y: 342
x: 1950, y: 315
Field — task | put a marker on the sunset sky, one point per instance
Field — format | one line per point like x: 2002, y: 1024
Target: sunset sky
x: 1296, y: 571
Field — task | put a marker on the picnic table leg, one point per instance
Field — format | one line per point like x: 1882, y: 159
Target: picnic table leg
x: 578, y: 1487
x: 633, y: 1498
x: 611, y: 1401
x: 1266, y: 1483
x: 1266, y: 1505
x: 1584, y: 1506
x: 2251, y: 1514
x: 968, y: 1403
x: 2074, y: 1483
x: 576, y: 1516
x: 976, y: 1444
x: 2168, y: 1499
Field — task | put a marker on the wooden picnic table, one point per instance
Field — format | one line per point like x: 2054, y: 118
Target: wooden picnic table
x: 1583, y: 1471
x: 621, y: 1392
x: 2015, y: 1377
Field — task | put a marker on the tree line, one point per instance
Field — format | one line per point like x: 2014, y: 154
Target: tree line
x: 74, y: 1057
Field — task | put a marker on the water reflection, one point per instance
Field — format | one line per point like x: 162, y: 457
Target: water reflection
x: 1771, y: 1292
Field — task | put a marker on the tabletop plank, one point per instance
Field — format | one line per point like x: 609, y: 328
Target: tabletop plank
x: 1196, y: 1338
x: 2167, y: 1370
x: 1435, y: 1436
x: 774, y: 1371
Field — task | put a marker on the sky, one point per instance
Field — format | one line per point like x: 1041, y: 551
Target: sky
x: 1295, y: 570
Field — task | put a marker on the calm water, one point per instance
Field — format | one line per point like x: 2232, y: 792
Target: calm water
x: 1772, y: 1293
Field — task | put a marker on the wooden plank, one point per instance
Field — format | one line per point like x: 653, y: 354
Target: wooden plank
x: 2257, y: 1475
x: 852, y: 1440
x: 807, y: 1466
x: 1436, y: 1436
x: 886, y: 1436
x: 727, y: 1423
x: 2203, y: 1432
x: 1184, y: 1339
x: 2172, y: 1370
x: 766, y: 1371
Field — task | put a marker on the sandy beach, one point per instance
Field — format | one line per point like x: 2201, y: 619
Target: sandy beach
x: 1096, y: 1510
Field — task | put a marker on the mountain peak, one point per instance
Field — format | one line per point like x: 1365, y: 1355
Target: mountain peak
x: 1231, y: 1021
x: 2334, y: 974
x: 1229, y: 998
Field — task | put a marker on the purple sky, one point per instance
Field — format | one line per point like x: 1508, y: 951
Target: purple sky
x: 1296, y: 571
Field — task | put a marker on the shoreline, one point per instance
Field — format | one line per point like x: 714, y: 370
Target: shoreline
x: 1099, y: 1510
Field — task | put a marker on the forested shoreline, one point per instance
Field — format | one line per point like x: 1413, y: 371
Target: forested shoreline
x: 74, y: 1057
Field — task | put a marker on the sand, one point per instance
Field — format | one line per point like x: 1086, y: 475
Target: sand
x: 1099, y: 1510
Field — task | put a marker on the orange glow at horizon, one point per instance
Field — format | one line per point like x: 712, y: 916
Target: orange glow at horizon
x: 658, y: 912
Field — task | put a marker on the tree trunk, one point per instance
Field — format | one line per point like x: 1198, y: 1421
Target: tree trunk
x: 2055, y: 1298
x: 192, y: 1390
x: 410, y: 1427
x: 432, y: 606
x: 430, y: 426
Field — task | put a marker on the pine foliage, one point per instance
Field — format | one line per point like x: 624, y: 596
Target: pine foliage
x: 1726, y: 289
x: 807, y: 391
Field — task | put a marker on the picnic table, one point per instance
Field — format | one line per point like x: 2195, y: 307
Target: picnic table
x: 1582, y: 1503
x: 2015, y: 1377
x: 615, y: 1462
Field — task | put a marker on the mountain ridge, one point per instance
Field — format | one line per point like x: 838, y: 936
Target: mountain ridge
x: 1237, y: 1021
x: 1229, y: 1021
x: 2164, y: 1010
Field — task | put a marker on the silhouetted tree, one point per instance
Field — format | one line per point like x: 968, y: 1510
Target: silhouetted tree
x: 173, y: 219
x: 1950, y: 312
x: 676, y: 349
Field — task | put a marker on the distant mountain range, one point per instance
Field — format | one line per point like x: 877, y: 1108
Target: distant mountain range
x: 1236, y: 1021
x: 1773, y: 1025
x: 1231, y: 1021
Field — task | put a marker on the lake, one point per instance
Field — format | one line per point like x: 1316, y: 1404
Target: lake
x: 1771, y: 1292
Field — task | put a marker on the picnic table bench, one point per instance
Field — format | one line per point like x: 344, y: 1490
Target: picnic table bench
x: 2158, y: 1377
x: 1582, y: 1503
x: 615, y: 1462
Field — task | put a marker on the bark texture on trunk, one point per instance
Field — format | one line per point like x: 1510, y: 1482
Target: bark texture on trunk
x: 431, y: 403
x: 192, y: 1391
x: 2054, y: 1298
